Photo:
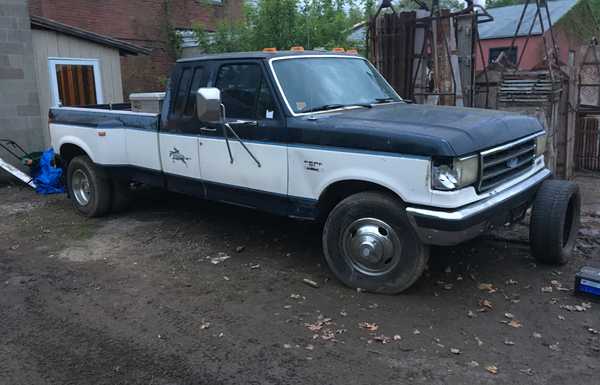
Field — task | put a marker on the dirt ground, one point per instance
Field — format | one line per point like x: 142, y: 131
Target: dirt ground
x: 150, y: 297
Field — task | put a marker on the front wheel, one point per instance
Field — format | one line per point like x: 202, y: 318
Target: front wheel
x: 369, y: 243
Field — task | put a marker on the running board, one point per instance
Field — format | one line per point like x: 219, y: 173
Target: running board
x: 17, y: 173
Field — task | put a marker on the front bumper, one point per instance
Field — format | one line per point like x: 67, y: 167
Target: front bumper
x: 445, y: 228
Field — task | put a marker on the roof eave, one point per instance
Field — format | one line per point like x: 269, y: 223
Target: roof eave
x: 124, y: 48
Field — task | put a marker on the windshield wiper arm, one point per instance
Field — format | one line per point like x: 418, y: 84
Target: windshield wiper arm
x: 385, y: 100
x: 335, y: 106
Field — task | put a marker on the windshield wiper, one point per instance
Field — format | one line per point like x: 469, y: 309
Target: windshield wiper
x: 385, y: 100
x: 325, y: 107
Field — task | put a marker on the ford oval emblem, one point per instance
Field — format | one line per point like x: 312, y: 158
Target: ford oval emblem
x: 512, y: 163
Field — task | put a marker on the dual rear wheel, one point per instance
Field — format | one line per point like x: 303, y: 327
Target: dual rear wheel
x: 93, y: 192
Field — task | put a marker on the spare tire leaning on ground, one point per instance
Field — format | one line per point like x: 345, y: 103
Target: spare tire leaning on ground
x: 89, y: 187
x: 555, y: 221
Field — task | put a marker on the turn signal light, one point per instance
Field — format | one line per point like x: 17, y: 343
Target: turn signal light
x: 271, y: 49
x: 338, y: 49
x: 352, y: 51
x: 298, y: 48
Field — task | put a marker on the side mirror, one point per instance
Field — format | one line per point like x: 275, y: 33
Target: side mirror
x: 208, y: 105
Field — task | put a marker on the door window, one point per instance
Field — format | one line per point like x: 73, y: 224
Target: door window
x: 239, y: 85
x: 75, y: 82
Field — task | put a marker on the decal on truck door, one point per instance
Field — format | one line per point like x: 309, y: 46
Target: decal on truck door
x: 176, y: 155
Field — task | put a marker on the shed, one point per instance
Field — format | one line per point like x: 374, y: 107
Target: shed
x: 75, y: 67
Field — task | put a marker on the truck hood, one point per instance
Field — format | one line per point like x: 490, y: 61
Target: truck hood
x: 420, y: 129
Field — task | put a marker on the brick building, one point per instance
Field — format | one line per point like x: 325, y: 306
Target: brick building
x: 146, y: 23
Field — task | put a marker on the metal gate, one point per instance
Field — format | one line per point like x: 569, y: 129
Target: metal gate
x: 587, y: 143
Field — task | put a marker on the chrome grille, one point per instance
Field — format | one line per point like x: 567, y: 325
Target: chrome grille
x: 504, y: 163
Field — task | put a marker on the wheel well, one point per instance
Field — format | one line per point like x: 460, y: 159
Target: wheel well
x: 339, y: 191
x: 69, y: 151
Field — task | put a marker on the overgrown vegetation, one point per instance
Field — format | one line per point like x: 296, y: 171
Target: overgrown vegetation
x: 285, y: 23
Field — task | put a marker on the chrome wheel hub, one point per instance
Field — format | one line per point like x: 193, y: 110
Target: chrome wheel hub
x: 81, y: 187
x: 371, y: 246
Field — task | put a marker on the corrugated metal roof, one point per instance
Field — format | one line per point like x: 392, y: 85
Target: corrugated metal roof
x: 506, y: 19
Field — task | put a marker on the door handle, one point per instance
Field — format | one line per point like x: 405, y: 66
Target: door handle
x: 208, y: 129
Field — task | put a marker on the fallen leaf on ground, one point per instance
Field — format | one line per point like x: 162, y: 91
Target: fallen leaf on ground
x: 221, y: 257
x: 310, y: 282
x: 369, y: 326
x: 479, y: 341
x: 397, y: 337
x: 593, y: 331
x: 486, y: 305
x: 547, y: 289
x: 511, y: 282
x: 204, y: 325
x: 492, y: 369
x: 487, y: 287
x: 508, y: 342
x: 515, y: 324
x: 454, y: 351
x: 470, y: 314
x: 509, y: 315
x: 554, y: 347
x: 416, y: 332
x: 310, y: 347
x: 473, y: 364
x: 537, y: 335
x: 381, y: 338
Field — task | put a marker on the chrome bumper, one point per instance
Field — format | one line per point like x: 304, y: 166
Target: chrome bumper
x: 439, y: 227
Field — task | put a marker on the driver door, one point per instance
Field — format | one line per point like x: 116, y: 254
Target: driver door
x: 247, y: 95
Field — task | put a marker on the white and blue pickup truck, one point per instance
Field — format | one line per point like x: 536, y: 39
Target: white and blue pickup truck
x: 323, y: 136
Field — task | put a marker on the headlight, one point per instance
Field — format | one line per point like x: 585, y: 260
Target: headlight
x: 451, y: 174
x: 540, y: 145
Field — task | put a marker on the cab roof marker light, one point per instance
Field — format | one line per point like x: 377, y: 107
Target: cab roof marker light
x: 352, y: 51
x: 270, y: 49
x: 297, y: 48
x: 338, y: 49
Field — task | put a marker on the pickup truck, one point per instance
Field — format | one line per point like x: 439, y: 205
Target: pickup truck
x: 322, y: 136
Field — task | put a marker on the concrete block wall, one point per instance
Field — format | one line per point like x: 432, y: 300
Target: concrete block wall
x: 19, y: 104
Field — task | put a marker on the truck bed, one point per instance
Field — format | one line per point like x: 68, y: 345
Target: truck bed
x: 109, y: 137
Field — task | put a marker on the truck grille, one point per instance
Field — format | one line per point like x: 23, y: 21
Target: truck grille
x: 504, y: 163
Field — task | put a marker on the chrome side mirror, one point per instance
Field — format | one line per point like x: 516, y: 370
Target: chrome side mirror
x: 208, y: 105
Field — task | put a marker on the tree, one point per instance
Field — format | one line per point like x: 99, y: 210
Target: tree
x: 285, y: 23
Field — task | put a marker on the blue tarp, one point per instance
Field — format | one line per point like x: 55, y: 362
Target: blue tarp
x: 46, y: 176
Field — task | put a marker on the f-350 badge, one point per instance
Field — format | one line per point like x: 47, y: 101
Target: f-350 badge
x: 175, y: 155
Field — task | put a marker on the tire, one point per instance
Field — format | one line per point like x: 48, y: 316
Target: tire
x: 89, y: 187
x: 122, y: 196
x: 555, y: 221
x: 369, y: 243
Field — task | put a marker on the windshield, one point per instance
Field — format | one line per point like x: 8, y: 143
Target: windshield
x: 321, y: 83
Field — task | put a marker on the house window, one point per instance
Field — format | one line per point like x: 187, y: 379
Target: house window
x: 75, y: 82
x: 511, y: 54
